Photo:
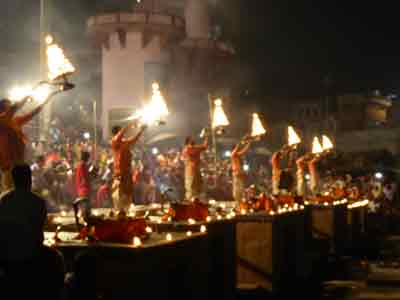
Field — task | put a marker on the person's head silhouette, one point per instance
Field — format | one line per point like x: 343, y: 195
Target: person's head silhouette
x: 22, y: 177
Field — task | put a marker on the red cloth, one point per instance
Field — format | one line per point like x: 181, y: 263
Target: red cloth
x: 103, y: 195
x: 82, y: 180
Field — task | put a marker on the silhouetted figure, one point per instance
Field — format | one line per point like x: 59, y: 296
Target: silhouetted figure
x: 25, y: 264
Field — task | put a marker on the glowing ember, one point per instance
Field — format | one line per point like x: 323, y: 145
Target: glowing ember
x: 203, y: 229
x: 293, y: 138
x: 257, y: 127
x: 326, y: 143
x: 316, y: 146
x: 57, y: 63
x: 137, y: 242
x: 219, y: 116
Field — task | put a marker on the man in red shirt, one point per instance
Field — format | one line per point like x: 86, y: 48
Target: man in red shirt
x: 122, y: 188
x: 191, y: 154
x: 82, y: 176
x: 83, y: 181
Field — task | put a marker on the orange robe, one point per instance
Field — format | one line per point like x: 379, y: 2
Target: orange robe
x: 13, y: 143
x: 193, y: 181
x: 123, y: 183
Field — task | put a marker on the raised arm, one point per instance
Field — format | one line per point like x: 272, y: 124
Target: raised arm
x: 203, y: 146
x: 133, y: 140
x: 245, y: 149
x: 30, y: 115
x: 119, y: 136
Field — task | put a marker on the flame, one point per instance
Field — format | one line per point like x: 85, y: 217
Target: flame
x: 219, y: 117
x: 19, y: 92
x: 293, y: 138
x: 137, y: 242
x: 326, y: 143
x: 257, y: 127
x: 316, y: 146
x: 39, y: 94
x: 57, y: 63
x: 156, y: 109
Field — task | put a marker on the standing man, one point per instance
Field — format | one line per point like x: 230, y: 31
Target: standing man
x: 191, y: 154
x: 238, y: 176
x: 83, y: 181
x: 276, y: 172
x: 12, y: 138
x: 122, y: 187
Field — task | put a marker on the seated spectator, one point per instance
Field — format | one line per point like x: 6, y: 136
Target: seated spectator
x: 24, y: 261
x: 23, y: 215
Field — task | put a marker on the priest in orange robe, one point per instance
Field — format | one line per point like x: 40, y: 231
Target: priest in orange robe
x: 122, y: 187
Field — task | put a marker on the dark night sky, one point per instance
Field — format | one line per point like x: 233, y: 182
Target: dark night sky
x: 298, y: 42
x: 284, y: 46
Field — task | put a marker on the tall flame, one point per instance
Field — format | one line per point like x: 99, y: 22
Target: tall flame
x: 293, y: 138
x: 219, y: 118
x: 257, y: 127
x: 57, y: 63
x: 316, y: 146
x: 156, y: 109
x: 326, y: 143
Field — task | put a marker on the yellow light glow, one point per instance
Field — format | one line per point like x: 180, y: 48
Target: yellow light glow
x: 208, y: 219
x: 257, y: 127
x: 19, y: 92
x: 219, y: 117
x: 191, y: 221
x: 49, y: 39
x: 137, y: 242
x: 203, y: 229
x: 156, y: 110
x: 293, y: 138
x: 189, y: 233
x: 316, y: 146
x: 63, y: 213
x: 149, y: 229
x: 168, y: 237
x: 326, y: 143
x: 57, y: 63
x: 41, y: 93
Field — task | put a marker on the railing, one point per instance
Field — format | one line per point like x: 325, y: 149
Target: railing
x: 138, y: 17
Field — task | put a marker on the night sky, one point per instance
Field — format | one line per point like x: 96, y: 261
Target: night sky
x: 284, y: 47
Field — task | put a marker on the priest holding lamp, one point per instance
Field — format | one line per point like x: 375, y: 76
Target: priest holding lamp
x: 238, y: 174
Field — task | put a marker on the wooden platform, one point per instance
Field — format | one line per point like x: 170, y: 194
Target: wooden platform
x: 158, y: 270
x: 329, y: 223
x: 221, y: 248
x: 271, y: 250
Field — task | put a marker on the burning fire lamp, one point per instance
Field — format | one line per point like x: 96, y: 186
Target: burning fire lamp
x: 59, y: 66
x: 257, y: 129
x: 327, y: 144
x: 220, y: 119
x: 293, y: 138
x: 316, y: 147
x: 155, y: 111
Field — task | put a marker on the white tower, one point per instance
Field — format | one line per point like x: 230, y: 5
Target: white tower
x: 134, y: 54
x: 139, y: 47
